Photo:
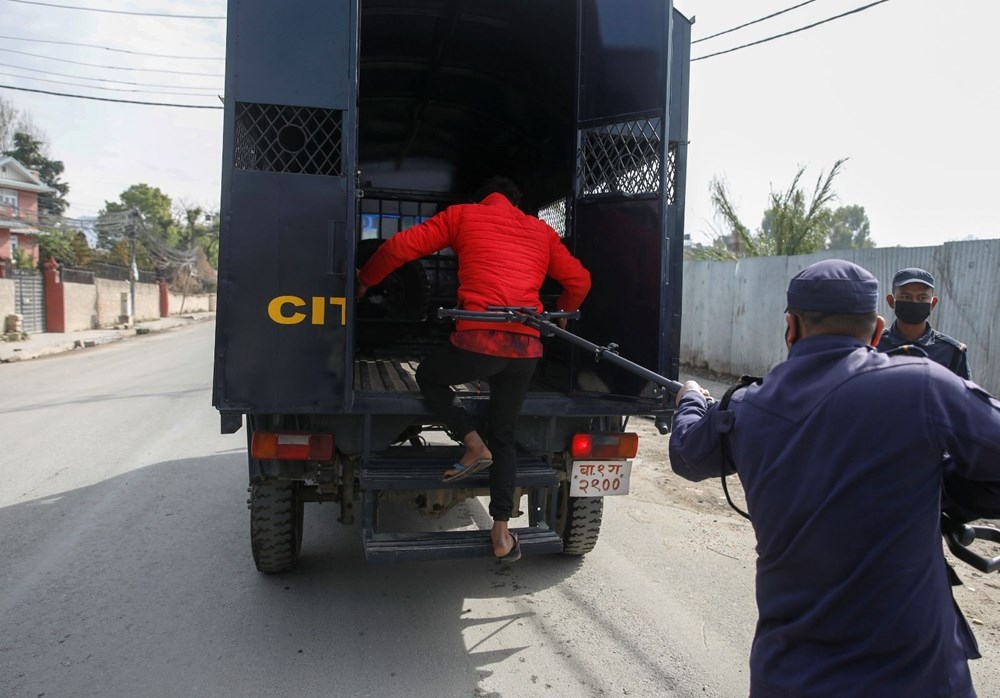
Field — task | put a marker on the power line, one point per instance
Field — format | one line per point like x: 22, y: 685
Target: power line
x: 72, y: 222
x: 165, y: 254
x: 113, y: 82
x: 108, y: 89
x: 108, y: 99
x: 116, y: 50
x: 115, y: 12
x: 761, y: 19
x: 108, y: 67
x: 793, y: 31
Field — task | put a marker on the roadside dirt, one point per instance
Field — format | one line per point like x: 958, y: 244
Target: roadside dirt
x: 978, y: 597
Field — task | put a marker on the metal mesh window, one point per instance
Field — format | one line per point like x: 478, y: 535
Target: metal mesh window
x: 671, y: 178
x: 297, y: 140
x: 555, y: 215
x: 622, y: 159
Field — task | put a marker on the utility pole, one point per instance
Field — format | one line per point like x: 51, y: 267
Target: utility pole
x: 133, y: 224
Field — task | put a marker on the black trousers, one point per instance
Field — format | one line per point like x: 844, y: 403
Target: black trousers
x: 509, y: 380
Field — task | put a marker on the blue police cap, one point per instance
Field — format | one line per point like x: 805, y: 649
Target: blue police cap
x: 834, y: 286
x: 912, y: 275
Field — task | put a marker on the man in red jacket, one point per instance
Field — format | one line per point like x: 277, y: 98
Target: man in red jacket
x: 504, y: 256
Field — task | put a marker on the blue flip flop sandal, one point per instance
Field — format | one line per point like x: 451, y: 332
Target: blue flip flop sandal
x: 465, y: 471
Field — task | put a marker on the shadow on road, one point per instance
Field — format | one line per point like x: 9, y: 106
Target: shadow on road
x: 144, y: 584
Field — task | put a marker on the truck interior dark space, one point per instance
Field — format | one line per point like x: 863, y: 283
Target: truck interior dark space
x: 449, y: 94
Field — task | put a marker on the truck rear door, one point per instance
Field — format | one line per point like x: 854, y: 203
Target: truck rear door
x: 629, y: 182
x: 288, y: 201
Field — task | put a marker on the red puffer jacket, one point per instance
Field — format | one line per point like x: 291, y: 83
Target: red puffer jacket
x: 504, y: 256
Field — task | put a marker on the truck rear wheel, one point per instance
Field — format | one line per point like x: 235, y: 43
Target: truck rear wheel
x: 578, y: 521
x: 275, y: 524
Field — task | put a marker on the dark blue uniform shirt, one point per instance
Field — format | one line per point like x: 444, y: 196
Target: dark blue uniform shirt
x: 945, y: 350
x: 840, y: 453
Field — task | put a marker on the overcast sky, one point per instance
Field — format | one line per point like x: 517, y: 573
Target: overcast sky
x: 908, y: 90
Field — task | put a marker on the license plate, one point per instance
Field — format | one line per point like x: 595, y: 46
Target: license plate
x: 599, y: 478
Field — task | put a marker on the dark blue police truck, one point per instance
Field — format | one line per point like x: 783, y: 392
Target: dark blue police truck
x: 347, y: 121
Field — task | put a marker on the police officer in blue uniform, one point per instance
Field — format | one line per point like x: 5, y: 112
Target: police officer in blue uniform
x: 912, y: 300
x: 839, y: 450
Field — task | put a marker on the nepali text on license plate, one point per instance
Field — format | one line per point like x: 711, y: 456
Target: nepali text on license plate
x: 599, y: 478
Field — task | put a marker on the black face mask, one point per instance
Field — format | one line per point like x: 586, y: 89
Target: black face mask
x: 912, y: 313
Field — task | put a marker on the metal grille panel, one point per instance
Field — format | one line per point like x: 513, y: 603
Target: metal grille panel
x: 671, y: 178
x: 296, y: 140
x: 29, y: 300
x: 555, y: 215
x: 76, y: 276
x: 622, y: 159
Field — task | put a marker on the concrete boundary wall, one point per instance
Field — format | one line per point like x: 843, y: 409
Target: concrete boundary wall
x: 733, y: 321
x: 80, y: 307
x: 109, y: 301
x: 71, y: 307
x: 8, y: 301
x: 200, y: 303
x: 91, y: 306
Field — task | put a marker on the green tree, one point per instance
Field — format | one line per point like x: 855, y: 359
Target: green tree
x: 849, y: 229
x: 152, y: 224
x: 192, y: 221
x: 739, y: 240
x: 31, y: 152
x: 9, y: 124
x: 199, y: 228
x: 167, y: 235
x: 22, y: 260
x: 14, y: 120
x: 793, y: 224
x: 68, y: 246
x: 209, y: 238
x: 120, y: 255
x: 154, y: 206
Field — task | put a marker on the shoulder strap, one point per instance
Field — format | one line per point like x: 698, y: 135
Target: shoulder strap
x: 960, y: 349
x: 744, y: 381
x: 942, y: 337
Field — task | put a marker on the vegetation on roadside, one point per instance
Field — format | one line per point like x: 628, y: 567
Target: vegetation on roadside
x: 796, y: 222
x: 176, y: 239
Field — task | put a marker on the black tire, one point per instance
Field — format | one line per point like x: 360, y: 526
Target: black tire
x: 578, y: 521
x: 275, y: 524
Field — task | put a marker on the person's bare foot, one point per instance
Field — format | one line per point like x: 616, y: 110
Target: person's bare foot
x: 503, y: 541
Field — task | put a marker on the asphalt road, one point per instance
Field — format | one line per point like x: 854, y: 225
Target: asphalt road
x: 125, y: 567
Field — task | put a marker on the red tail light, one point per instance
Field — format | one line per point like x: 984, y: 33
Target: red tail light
x: 291, y: 446
x: 604, y: 446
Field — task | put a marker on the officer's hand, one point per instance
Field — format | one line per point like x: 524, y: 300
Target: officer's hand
x: 688, y: 387
x: 360, y: 289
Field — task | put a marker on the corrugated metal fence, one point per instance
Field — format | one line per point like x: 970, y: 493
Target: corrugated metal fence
x: 733, y: 318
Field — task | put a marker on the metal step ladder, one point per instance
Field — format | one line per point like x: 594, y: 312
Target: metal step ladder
x: 535, y: 475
